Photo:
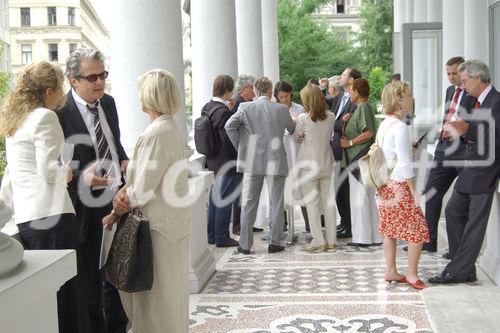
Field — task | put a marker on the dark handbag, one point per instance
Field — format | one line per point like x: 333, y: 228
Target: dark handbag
x: 130, y: 261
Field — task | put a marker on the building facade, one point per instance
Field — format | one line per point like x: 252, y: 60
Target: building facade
x: 4, y: 36
x: 51, y: 30
x: 342, y: 15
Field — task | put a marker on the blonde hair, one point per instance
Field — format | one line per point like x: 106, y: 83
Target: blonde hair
x: 28, y: 94
x: 393, y: 94
x: 314, y: 101
x: 158, y: 90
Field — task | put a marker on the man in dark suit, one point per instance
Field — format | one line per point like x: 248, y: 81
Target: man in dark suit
x: 442, y: 174
x: 468, y: 210
x: 342, y: 107
x: 90, y: 121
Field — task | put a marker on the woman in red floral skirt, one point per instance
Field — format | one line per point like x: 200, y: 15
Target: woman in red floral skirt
x: 398, y: 202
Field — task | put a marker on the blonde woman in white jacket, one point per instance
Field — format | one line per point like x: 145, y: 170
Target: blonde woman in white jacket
x: 315, y: 162
x: 43, y: 210
x: 154, y: 186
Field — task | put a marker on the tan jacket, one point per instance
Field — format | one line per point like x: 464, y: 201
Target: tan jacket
x: 157, y: 179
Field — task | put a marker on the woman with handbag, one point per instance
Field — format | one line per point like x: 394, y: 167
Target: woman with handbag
x: 43, y: 210
x: 154, y: 175
x: 358, y: 135
x: 401, y: 217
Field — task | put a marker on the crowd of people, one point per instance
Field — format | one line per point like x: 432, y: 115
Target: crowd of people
x: 319, y: 143
x: 256, y: 139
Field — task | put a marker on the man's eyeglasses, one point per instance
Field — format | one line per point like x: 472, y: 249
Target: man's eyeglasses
x: 94, y: 77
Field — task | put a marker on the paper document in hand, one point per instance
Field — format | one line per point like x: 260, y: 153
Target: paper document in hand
x: 107, y: 239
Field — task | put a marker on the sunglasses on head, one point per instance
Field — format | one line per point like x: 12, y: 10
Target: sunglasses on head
x: 94, y: 77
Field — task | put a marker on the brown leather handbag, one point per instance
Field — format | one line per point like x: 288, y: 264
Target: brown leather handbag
x: 130, y: 261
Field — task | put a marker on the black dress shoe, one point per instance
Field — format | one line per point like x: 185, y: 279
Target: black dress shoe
x: 257, y: 229
x: 275, y: 248
x: 344, y: 234
x: 240, y: 250
x: 211, y: 241
x: 231, y: 242
x: 236, y: 232
x: 358, y: 244
x: 341, y: 227
x: 447, y: 255
x: 429, y: 248
x: 445, y: 278
x: 424, y: 248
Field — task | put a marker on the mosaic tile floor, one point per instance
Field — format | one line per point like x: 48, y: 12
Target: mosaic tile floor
x: 341, y: 290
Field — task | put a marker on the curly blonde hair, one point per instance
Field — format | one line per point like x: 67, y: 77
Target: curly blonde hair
x: 29, y: 94
x: 392, y: 95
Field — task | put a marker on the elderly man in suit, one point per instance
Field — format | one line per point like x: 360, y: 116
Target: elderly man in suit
x: 468, y: 210
x: 90, y: 121
x: 445, y: 169
x: 256, y: 130
x: 342, y: 107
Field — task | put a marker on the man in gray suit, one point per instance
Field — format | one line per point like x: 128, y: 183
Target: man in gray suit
x: 256, y: 130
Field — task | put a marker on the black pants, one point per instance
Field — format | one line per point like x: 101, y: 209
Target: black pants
x: 103, y: 301
x: 237, y: 206
x: 438, y: 183
x: 59, y: 233
x: 342, y: 197
x: 466, y: 221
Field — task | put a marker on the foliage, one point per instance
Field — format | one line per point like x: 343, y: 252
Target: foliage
x: 375, y: 37
x: 378, y: 78
x: 308, y: 48
x: 4, y: 88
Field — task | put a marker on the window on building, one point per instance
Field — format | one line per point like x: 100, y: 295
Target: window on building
x: 51, y: 15
x: 26, y: 53
x: 340, y: 6
x: 71, y: 15
x: 25, y: 17
x: 72, y: 47
x: 53, y: 52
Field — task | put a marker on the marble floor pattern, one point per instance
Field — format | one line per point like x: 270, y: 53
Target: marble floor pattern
x: 341, y: 290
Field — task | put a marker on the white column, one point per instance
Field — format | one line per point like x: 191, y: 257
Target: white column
x: 213, y: 40
x: 399, y: 12
x: 453, y: 29
x: 270, y: 40
x: 144, y: 35
x: 409, y: 8
x: 419, y: 11
x: 434, y: 10
x: 249, y: 37
x: 476, y: 29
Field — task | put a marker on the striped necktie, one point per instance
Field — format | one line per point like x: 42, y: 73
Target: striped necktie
x: 104, y: 153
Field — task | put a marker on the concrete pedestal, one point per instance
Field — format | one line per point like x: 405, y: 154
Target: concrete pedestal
x: 28, y: 300
x: 202, y: 262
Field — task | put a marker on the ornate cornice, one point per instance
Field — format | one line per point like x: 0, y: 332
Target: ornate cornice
x: 46, y: 29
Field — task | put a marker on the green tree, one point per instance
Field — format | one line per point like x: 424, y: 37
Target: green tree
x: 378, y: 78
x: 375, y: 37
x: 308, y: 48
x: 4, y: 88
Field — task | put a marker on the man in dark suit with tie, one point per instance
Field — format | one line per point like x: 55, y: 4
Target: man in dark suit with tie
x: 341, y: 107
x: 441, y: 175
x: 468, y: 210
x: 90, y: 121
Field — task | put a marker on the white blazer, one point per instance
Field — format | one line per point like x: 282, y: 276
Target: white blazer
x: 35, y: 179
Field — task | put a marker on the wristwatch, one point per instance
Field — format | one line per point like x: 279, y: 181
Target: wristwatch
x: 351, y: 143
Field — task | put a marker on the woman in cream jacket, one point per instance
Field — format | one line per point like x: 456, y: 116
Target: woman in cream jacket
x: 35, y: 180
x: 157, y: 183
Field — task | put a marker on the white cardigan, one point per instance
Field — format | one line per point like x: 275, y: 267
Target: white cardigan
x: 35, y: 179
x: 397, y: 142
